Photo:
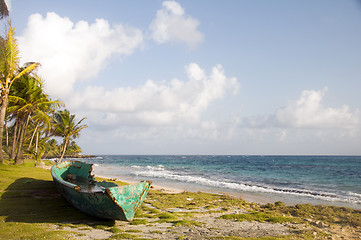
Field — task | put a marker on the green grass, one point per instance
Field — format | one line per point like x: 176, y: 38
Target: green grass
x: 30, y: 205
x: 187, y: 223
x: 16, y: 230
x: 260, y: 217
x: 115, y: 230
x: 327, y: 214
x: 194, y: 201
x: 124, y: 236
x: 281, y: 213
x: 167, y: 216
x: 139, y: 221
x: 133, y: 231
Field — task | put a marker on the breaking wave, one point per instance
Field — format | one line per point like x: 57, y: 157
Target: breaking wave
x: 161, y: 173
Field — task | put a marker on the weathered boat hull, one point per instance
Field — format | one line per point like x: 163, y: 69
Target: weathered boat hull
x: 106, y: 200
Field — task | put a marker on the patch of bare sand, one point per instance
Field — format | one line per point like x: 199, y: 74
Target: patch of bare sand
x: 86, y: 233
x: 211, y: 227
x: 215, y: 227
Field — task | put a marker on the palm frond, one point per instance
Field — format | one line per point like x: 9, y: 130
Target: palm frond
x: 12, y: 54
x: 27, y: 69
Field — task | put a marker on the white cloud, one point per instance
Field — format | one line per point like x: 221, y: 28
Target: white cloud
x: 157, y: 103
x: 173, y: 25
x: 308, y: 112
x: 70, y: 52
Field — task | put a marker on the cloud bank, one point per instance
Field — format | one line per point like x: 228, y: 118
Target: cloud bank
x: 173, y: 25
x: 157, y: 103
x: 175, y: 110
x: 308, y: 112
x: 70, y: 52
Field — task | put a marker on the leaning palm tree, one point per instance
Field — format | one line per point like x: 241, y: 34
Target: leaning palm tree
x: 65, y: 126
x: 30, y: 103
x: 9, y: 73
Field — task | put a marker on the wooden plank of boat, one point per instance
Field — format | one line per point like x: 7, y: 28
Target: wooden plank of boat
x: 106, y: 200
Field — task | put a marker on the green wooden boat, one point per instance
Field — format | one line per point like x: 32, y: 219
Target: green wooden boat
x: 106, y: 200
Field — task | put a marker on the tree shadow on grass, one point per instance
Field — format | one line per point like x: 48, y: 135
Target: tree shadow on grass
x: 32, y: 200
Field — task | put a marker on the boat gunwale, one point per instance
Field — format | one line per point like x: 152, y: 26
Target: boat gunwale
x: 69, y: 184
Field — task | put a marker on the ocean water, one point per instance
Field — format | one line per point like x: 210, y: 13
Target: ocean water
x: 334, y: 180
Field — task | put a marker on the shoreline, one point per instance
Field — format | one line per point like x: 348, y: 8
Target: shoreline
x: 259, y: 197
x: 153, y: 170
x: 164, y: 215
x: 153, y: 186
x: 251, y: 197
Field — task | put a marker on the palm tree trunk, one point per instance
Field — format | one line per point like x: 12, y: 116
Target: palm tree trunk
x: 32, y: 137
x: 36, y: 142
x: 64, y: 149
x: 15, y: 140
x: 4, y: 105
x: 19, y: 159
x: 7, y: 149
x: 7, y: 135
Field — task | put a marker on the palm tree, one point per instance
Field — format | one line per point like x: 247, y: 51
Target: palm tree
x: 9, y: 73
x: 66, y: 127
x: 73, y: 148
x: 52, y: 148
x: 30, y: 103
x: 37, y: 155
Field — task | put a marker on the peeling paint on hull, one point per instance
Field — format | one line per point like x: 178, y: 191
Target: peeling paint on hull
x: 106, y: 200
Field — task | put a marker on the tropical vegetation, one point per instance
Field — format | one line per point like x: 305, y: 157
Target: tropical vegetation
x: 66, y: 127
x: 30, y: 121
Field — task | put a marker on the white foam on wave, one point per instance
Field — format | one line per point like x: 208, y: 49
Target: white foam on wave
x: 156, y: 168
x: 150, y: 168
x: 160, y: 172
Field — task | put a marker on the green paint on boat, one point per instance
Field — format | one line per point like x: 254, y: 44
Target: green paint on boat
x: 106, y: 200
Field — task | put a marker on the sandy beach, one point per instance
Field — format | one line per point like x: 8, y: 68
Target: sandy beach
x: 212, y: 226
x: 31, y: 208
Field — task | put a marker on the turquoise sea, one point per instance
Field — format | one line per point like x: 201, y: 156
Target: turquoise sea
x: 334, y: 180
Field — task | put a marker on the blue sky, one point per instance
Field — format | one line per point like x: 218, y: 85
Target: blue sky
x: 201, y: 77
